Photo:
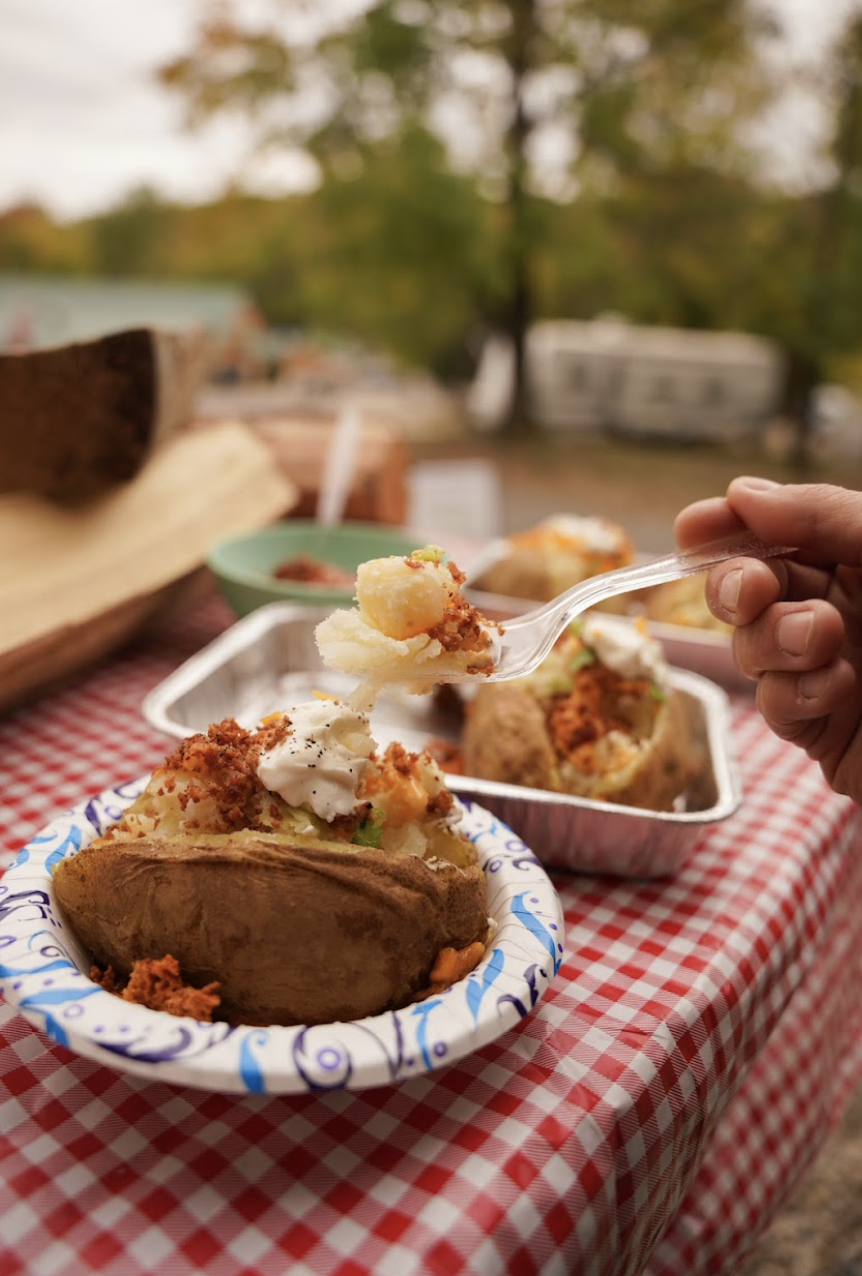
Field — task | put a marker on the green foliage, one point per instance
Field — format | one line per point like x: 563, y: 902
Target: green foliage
x: 406, y: 245
x: 638, y: 88
x: 128, y: 241
x: 398, y: 253
x: 31, y: 240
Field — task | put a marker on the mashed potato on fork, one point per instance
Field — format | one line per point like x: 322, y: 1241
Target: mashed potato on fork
x: 412, y: 625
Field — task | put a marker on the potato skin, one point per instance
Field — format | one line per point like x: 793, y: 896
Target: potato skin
x: 506, y: 739
x: 294, y: 934
x: 542, y: 574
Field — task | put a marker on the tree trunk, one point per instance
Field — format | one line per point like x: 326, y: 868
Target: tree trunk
x: 520, y: 307
x: 519, y: 302
x: 803, y: 377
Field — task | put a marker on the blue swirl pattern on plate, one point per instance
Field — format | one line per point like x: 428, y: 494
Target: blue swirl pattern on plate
x: 44, y: 973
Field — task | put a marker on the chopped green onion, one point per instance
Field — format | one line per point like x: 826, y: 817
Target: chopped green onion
x: 370, y: 829
x: 430, y: 554
x: 582, y: 659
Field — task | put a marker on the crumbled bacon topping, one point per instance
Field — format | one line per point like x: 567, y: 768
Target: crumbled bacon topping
x: 440, y: 804
x: 158, y: 984
x: 463, y: 627
x: 578, y: 720
x: 226, y: 759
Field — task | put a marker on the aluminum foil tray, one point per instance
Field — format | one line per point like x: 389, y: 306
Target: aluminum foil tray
x: 269, y: 660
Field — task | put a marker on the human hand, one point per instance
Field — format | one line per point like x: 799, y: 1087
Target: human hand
x: 797, y: 621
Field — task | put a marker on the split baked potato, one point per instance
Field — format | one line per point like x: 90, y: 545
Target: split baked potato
x: 544, y: 561
x: 295, y: 918
x: 599, y: 719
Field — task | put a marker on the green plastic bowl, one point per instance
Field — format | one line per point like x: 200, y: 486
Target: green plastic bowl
x: 244, y: 565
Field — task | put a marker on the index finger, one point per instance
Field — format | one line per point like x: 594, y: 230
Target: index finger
x: 704, y: 521
x: 822, y: 521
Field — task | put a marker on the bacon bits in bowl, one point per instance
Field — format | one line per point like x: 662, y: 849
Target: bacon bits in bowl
x: 300, y: 561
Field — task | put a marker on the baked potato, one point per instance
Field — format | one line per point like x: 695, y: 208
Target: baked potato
x: 544, y: 561
x: 297, y: 918
x: 599, y: 719
x: 682, y: 602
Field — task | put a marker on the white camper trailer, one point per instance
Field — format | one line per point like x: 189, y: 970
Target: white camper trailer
x: 607, y: 374
x: 571, y: 368
x: 696, y: 385
x: 573, y: 372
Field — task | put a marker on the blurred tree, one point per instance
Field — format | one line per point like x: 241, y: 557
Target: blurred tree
x: 126, y: 240
x: 31, y: 240
x: 398, y: 252
x: 808, y: 296
x: 832, y: 224
x: 680, y: 246
x: 533, y: 97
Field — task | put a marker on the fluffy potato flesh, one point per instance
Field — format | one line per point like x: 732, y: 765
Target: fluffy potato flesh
x: 412, y: 625
x: 403, y: 597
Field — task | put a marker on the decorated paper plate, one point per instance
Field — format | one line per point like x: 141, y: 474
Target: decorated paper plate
x: 44, y: 973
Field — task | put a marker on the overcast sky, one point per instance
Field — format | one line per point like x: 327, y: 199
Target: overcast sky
x: 82, y: 123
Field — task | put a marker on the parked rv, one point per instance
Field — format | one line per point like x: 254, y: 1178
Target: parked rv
x: 610, y: 375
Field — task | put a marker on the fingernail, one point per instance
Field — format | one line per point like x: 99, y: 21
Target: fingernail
x: 728, y: 593
x: 756, y: 484
x: 794, y: 632
x: 812, y: 685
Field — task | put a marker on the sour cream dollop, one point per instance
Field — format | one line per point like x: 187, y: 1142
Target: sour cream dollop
x: 625, y: 648
x: 322, y: 762
x: 588, y: 532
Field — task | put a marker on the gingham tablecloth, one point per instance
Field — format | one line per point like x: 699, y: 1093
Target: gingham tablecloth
x: 698, y: 1044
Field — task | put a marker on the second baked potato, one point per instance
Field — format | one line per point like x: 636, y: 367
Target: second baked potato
x: 544, y: 561
x: 598, y: 719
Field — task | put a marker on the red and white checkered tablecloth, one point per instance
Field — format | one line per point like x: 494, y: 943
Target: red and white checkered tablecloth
x: 698, y: 1044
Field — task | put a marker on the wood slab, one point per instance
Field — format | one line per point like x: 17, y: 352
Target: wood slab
x: 79, y: 418
x: 77, y: 582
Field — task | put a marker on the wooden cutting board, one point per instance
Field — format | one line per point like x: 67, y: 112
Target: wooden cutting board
x: 76, y: 582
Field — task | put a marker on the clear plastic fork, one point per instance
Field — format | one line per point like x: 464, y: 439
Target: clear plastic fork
x: 527, y: 640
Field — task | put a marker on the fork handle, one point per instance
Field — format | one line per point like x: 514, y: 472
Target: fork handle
x: 685, y: 562
x: 700, y: 558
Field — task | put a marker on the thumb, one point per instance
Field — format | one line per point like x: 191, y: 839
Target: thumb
x: 822, y: 521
